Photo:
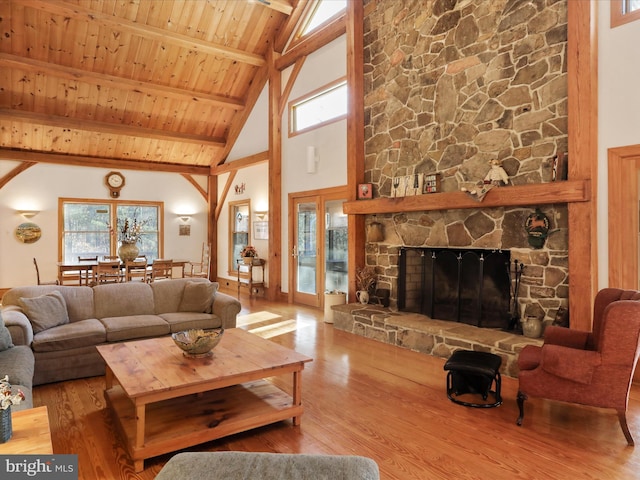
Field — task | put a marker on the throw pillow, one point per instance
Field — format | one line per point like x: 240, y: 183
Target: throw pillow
x: 197, y: 297
x: 45, y: 311
x: 5, y: 336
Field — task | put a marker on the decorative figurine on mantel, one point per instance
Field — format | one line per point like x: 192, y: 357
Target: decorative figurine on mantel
x: 494, y: 178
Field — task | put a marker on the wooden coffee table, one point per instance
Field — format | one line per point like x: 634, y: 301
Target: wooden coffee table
x: 163, y: 401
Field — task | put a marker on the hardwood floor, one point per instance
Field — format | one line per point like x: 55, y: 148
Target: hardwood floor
x: 367, y: 398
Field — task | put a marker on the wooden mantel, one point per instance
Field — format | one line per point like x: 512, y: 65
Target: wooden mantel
x: 520, y: 195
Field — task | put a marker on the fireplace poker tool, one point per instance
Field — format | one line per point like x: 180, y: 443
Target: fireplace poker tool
x: 515, y: 289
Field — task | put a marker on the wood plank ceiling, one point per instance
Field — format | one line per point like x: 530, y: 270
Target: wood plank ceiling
x: 153, y: 81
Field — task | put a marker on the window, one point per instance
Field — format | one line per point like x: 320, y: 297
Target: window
x: 86, y: 227
x: 239, y: 231
x: 324, y: 11
x: 324, y: 106
x: 624, y: 11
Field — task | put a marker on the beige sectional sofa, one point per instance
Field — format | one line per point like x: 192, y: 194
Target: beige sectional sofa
x: 64, y: 346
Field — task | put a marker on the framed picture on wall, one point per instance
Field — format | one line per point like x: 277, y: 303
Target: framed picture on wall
x: 365, y: 190
x: 261, y: 230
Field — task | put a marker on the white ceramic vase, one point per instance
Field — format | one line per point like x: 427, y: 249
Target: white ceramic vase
x: 362, y: 296
x: 531, y: 327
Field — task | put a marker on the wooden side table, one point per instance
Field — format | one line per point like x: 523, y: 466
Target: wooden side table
x: 245, y: 275
x: 31, y: 433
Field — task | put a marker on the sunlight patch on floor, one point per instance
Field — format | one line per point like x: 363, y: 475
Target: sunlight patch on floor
x: 266, y: 329
x: 257, y: 317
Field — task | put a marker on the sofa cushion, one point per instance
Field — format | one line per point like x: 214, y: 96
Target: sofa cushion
x: 268, y: 466
x: 123, y: 299
x: 45, y: 311
x: 18, y: 363
x: 167, y: 295
x: 5, y: 336
x: 134, y: 326
x: 83, y: 333
x: 79, y: 299
x: 197, y: 297
x: 180, y: 321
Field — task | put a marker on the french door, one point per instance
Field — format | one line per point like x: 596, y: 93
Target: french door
x: 318, y: 246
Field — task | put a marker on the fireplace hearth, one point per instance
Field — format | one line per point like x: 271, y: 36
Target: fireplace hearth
x: 470, y: 286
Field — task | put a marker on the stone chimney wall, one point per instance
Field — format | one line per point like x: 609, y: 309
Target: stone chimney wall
x: 449, y: 86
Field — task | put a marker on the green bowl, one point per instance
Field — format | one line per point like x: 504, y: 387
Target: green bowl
x: 197, y: 342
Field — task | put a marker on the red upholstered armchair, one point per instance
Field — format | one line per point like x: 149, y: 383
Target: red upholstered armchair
x: 590, y: 368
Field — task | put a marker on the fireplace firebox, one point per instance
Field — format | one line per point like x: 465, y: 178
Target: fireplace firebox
x: 471, y: 286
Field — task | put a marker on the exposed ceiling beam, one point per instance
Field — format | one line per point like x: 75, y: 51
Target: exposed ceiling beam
x: 110, y: 128
x: 241, y: 163
x: 197, y: 186
x: 225, y: 192
x: 286, y: 32
x: 100, y: 79
x: 281, y: 6
x: 15, y: 172
x: 101, y: 162
x: 312, y: 42
x: 82, y: 14
x: 297, y: 67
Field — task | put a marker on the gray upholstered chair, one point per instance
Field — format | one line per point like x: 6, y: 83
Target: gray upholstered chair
x: 267, y: 466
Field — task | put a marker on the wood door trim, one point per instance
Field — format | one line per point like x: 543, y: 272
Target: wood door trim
x: 322, y: 195
x: 623, y: 168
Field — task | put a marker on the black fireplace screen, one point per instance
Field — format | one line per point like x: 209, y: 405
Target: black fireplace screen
x: 470, y: 286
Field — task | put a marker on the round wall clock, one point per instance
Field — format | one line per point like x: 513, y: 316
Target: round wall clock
x: 115, y: 182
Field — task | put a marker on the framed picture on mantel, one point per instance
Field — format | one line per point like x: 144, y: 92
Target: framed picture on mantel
x: 365, y: 191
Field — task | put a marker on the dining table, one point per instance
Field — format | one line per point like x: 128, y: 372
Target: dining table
x: 84, y: 269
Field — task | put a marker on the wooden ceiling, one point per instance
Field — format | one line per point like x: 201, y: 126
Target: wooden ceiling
x: 151, y: 81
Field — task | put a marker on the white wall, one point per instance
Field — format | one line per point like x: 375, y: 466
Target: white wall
x: 256, y: 191
x: 618, y: 110
x: 39, y: 187
x: 320, y: 68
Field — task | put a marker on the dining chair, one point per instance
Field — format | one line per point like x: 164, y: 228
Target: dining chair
x: 201, y: 268
x: 49, y: 282
x: 115, y: 258
x: 137, y: 268
x: 87, y: 276
x: 108, y: 272
x: 161, y: 269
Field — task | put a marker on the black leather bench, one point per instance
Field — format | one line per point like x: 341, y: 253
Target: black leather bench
x: 471, y: 372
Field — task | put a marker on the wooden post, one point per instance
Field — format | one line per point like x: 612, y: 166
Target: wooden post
x: 355, y: 134
x: 583, y: 158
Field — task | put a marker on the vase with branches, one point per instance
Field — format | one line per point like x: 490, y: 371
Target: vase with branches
x: 365, y: 283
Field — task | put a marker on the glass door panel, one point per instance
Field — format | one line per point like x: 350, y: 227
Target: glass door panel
x: 239, y: 231
x: 320, y: 247
x: 335, y: 247
x: 306, y: 253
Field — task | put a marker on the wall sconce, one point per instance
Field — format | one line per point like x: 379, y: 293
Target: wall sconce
x: 28, y: 213
x: 312, y: 160
x: 184, y: 217
x: 261, y: 214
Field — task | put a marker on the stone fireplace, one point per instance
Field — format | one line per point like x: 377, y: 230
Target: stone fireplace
x: 450, y: 86
x: 471, y: 286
